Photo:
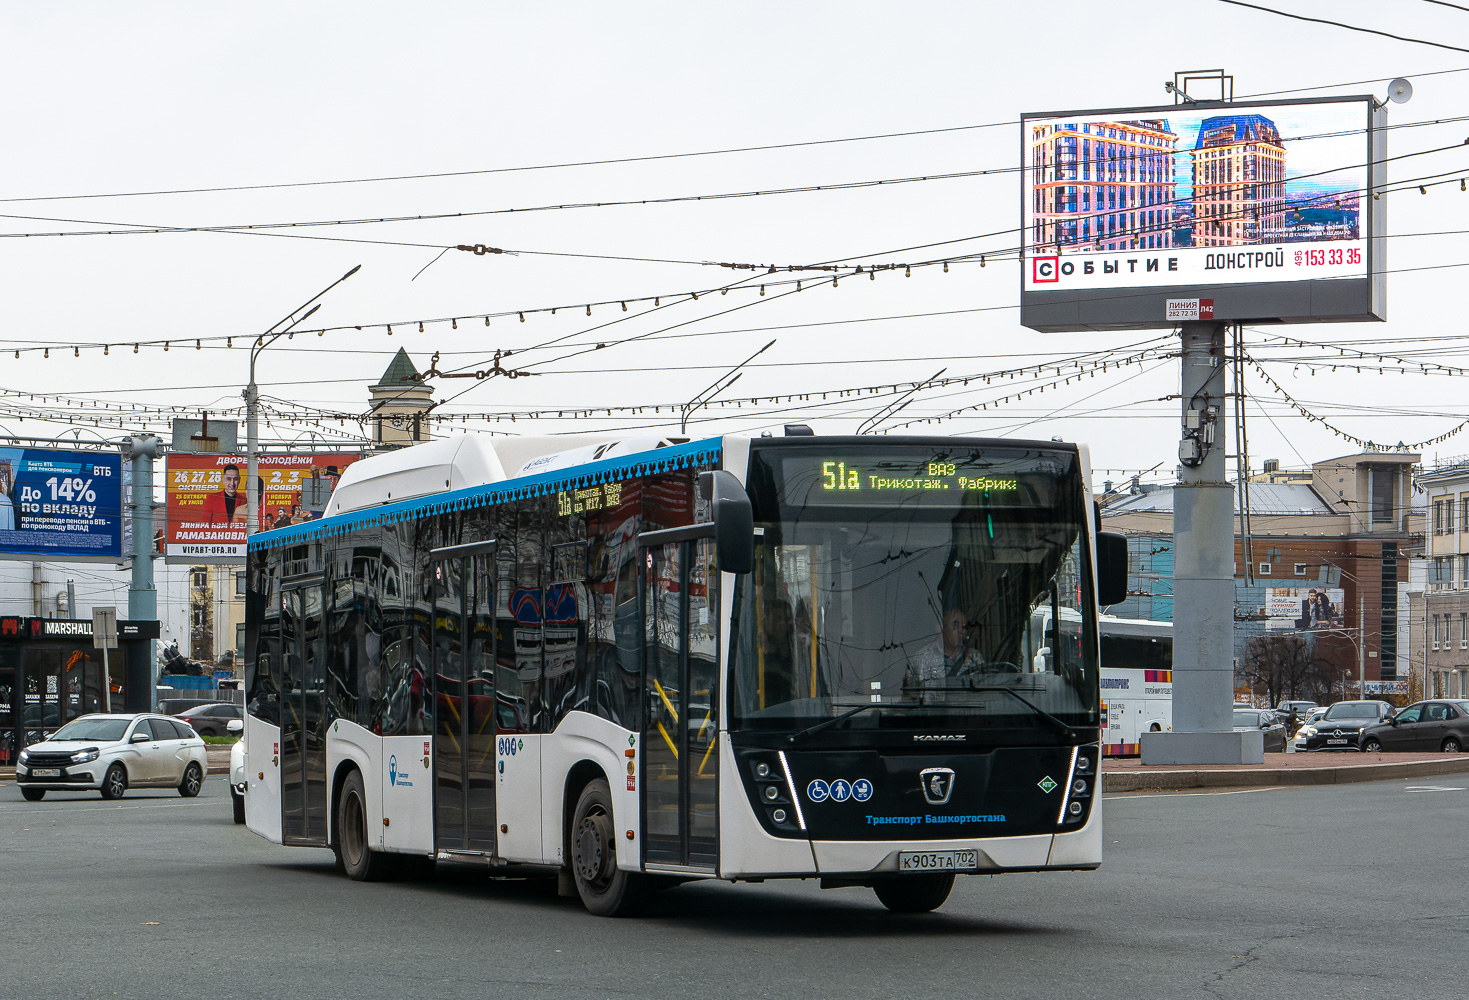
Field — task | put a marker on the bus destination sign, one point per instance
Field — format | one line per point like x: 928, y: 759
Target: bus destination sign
x: 884, y: 480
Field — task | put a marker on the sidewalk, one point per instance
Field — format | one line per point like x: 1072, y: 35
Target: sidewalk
x: 1127, y: 774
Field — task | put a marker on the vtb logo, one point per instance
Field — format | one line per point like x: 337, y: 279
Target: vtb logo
x: 937, y: 784
x: 1044, y: 269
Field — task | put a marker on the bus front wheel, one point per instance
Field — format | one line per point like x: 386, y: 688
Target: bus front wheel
x: 605, y: 890
x: 914, y: 893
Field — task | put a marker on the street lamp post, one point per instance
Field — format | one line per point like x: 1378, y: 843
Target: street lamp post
x: 252, y: 395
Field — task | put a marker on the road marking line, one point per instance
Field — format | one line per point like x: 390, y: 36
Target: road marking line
x: 1433, y: 788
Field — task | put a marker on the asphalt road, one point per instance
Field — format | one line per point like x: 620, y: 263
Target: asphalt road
x: 1346, y: 891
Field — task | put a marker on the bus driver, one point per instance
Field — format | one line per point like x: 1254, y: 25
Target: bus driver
x: 948, y: 655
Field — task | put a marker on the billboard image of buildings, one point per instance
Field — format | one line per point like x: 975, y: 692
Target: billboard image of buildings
x: 1191, y: 198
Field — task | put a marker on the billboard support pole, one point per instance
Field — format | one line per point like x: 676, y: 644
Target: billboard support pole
x: 1203, y: 572
x: 138, y: 687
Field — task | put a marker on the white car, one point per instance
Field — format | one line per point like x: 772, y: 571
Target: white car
x: 237, y: 769
x: 112, y: 753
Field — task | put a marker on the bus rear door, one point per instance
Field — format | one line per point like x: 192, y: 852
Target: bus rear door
x: 464, y: 699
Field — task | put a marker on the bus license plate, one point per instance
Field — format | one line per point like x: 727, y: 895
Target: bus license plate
x: 45, y: 772
x: 938, y: 861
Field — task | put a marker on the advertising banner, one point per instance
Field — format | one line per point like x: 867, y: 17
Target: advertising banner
x: 63, y: 505
x: 1303, y: 607
x: 1189, y: 199
x: 205, y: 495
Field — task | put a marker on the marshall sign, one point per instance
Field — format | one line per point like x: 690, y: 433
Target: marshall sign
x: 16, y: 628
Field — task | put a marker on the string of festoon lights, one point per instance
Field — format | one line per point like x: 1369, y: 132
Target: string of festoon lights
x: 1348, y: 358
x: 1060, y: 381
x: 620, y: 305
x: 1363, y: 443
x: 625, y: 304
x: 51, y: 407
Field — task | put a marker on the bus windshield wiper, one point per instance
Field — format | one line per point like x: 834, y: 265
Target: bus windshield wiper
x: 847, y: 715
x: 1069, y: 732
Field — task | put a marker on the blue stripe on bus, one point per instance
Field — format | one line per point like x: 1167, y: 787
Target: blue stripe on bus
x: 643, y: 463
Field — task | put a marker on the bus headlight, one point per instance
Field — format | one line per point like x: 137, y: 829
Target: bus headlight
x: 1076, y: 803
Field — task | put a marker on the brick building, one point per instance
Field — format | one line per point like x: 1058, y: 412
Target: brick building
x: 1345, y: 529
x: 1443, y: 645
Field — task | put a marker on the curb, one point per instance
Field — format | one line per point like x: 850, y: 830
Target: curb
x: 1133, y: 781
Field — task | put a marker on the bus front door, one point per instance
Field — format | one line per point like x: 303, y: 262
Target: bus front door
x: 680, y: 771
x: 303, y: 719
x: 464, y: 701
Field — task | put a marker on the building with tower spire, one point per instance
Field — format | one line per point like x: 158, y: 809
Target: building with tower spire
x: 399, y: 403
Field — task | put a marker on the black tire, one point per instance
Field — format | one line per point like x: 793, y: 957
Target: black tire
x: 192, y: 781
x: 114, y: 782
x: 33, y: 794
x: 1451, y: 744
x: 1372, y: 745
x: 354, y: 854
x: 605, y: 890
x: 914, y: 893
x: 239, y: 804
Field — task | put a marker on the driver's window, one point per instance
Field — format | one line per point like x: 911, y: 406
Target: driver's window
x: 1410, y: 714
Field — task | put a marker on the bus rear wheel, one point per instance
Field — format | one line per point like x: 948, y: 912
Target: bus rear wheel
x: 354, y: 854
x: 914, y: 893
x: 605, y: 890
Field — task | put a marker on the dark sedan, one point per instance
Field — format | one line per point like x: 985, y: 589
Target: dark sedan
x: 1425, y: 725
x: 212, y: 720
x: 1247, y: 719
x: 1341, y: 727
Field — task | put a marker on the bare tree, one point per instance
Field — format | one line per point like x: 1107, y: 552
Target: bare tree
x: 1285, y: 665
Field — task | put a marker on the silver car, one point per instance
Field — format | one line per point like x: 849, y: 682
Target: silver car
x: 112, y: 753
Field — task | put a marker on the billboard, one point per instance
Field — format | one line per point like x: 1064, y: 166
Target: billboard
x: 205, y: 498
x: 1148, y: 217
x: 62, y: 505
x: 1304, y: 607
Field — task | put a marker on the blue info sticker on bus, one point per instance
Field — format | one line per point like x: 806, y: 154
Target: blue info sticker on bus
x: 841, y: 790
x: 861, y: 789
x: 818, y: 791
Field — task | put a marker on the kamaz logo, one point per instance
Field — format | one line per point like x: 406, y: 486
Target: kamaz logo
x: 943, y: 738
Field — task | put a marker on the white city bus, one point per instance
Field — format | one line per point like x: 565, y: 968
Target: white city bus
x: 644, y: 662
x: 1137, y: 682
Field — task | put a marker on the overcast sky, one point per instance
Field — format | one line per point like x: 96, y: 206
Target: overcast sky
x: 149, y: 97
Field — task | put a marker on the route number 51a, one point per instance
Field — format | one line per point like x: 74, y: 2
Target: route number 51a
x: 836, y: 476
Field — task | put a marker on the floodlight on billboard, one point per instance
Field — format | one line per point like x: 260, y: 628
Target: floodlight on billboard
x: 1147, y: 217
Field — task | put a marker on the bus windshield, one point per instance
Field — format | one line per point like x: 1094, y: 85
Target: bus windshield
x: 916, y: 583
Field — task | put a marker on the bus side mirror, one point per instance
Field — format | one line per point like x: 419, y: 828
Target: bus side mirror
x: 734, y: 520
x: 1111, y: 568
